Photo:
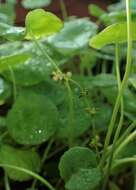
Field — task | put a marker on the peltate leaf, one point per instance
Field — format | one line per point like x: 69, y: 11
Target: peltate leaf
x: 74, y: 159
x: 11, y: 32
x: 33, y: 119
x: 74, y: 36
x: 13, y: 60
x: 86, y: 179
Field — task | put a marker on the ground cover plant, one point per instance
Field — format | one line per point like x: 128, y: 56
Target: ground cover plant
x: 67, y: 99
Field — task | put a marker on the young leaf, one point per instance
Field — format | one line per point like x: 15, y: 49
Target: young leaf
x: 33, y: 119
x: 27, y: 159
x: 96, y: 11
x: 116, y: 33
x: 13, y: 60
x: 86, y: 179
x: 74, y: 159
x: 40, y: 23
x: 33, y: 4
x: 74, y: 36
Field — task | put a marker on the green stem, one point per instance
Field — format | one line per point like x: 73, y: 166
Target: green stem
x: 131, y: 137
x: 45, y: 54
x: 7, y: 185
x: 123, y: 84
x: 36, y: 176
x: 3, y: 135
x: 14, y: 82
x: 123, y: 161
x: 71, y: 113
x: 117, y: 133
x: 126, y: 133
x: 43, y: 159
x: 123, y: 137
x: 63, y: 10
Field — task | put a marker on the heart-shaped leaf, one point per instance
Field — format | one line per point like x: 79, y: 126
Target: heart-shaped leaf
x: 27, y: 159
x: 33, y: 4
x: 33, y: 119
x: 40, y: 23
x: 116, y: 33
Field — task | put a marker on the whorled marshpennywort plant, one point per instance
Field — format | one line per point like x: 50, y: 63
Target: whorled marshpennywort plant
x: 59, y: 110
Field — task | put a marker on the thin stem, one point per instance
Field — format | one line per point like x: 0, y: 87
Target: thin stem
x: 45, y: 54
x: 3, y: 135
x: 7, y: 185
x: 123, y: 137
x: 126, y: 133
x: 123, y: 84
x: 123, y: 161
x: 36, y: 176
x: 63, y: 10
x: 131, y: 137
x: 94, y: 135
x: 117, y: 133
x: 43, y: 159
x: 14, y: 82
x: 71, y: 113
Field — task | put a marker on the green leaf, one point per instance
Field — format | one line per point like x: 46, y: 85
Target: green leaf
x: 36, y: 69
x: 33, y: 119
x: 81, y: 119
x: 74, y: 159
x: 120, y: 16
x: 52, y: 89
x: 132, y: 80
x: 13, y: 60
x: 5, y: 91
x: 86, y: 179
x: 96, y: 11
x: 11, y: 32
x: 116, y: 33
x: 7, y: 9
x: 74, y: 36
x: 27, y: 159
x: 103, y: 80
x: 32, y: 4
x: 40, y: 23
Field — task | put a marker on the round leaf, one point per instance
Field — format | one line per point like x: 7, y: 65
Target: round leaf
x: 26, y: 159
x: 74, y: 159
x: 11, y: 32
x: 86, y: 179
x: 40, y: 23
x: 13, y: 60
x: 33, y: 119
x: 74, y: 36
x: 81, y: 119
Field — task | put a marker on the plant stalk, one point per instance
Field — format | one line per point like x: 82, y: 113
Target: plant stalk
x: 123, y: 84
x: 117, y: 133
